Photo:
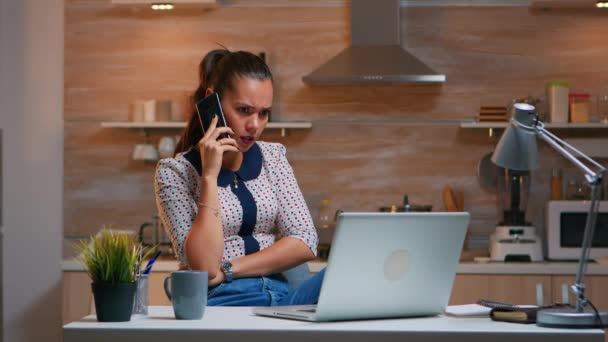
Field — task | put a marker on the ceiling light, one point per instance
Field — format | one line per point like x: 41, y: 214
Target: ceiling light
x: 162, y: 7
x: 601, y: 4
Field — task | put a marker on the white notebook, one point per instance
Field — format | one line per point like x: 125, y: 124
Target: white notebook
x: 468, y: 310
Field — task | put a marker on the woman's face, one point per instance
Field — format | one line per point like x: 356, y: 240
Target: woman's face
x: 247, y: 108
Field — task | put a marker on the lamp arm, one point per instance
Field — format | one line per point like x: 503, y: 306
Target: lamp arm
x: 594, y: 178
x: 571, y: 153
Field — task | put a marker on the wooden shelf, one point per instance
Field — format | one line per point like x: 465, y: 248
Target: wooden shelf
x: 182, y: 124
x: 178, y: 2
x: 283, y: 126
x: 486, y: 125
x: 136, y: 124
x: 563, y: 4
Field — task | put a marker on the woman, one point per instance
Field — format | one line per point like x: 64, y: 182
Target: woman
x: 223, y: 221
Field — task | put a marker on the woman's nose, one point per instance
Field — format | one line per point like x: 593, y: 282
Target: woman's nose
x: 253, y: 123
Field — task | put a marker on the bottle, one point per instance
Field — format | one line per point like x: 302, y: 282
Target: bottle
x: 556, y: 184
x: 325, y: 216
x: 406, y: 203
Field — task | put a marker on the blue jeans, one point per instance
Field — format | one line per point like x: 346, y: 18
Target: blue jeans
x: 265, y: 291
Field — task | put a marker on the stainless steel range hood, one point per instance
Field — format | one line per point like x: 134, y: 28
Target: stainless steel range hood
x: 375, y: 55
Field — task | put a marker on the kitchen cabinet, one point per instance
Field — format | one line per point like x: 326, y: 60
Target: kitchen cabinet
x: 467, y: 289
x: 518, y: 289
x: 76, y: 294
x: 156, y: 289
x: 515, y: 289
x: 521, y: 289
x: 596, y: 289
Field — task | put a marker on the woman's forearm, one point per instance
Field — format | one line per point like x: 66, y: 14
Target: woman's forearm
x: 205, y: 241
x: 282, y: 255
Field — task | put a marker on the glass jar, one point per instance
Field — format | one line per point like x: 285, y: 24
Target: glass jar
x: 579, y: 107
x: 602, y: 108
x: 577, y: 191
x: 556, y: 184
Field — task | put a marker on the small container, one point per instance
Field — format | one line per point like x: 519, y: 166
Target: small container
x: 557, y: 100
x: 602, y: 108
x: 325, y: 216
x: 577, y: 191
x: 140, y: 304
x: 556, y: 185
x: 579, y: 107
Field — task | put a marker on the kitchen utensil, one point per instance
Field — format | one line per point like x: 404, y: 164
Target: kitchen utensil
x: 449, y: 199
x: 459, y: 201
x: 406, y: 207
x: 487, y: 172
x: 149, y: 153
x: 145, y: 152
x: 166, y: 146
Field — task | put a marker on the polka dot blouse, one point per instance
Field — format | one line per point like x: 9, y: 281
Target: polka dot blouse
x: 267, y: 176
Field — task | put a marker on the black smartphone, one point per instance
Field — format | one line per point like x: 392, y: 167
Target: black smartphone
x: 207, y: 109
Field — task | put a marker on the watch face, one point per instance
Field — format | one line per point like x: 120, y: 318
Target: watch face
x: 227, y: 269
x: 226, y: 265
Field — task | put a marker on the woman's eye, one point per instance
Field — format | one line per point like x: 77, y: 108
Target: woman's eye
x: 245, y: 110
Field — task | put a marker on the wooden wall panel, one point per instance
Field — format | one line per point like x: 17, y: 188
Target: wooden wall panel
x: 365, y: 149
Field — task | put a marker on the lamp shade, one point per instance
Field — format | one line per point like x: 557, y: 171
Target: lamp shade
x: 517, y: 149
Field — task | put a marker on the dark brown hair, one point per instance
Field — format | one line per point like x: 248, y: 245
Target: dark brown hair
x: 218, y: 70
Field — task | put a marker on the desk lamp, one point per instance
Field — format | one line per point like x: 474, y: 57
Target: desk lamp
x: 517, y: 150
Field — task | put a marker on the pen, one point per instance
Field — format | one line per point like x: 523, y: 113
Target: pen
x: 151, y: 262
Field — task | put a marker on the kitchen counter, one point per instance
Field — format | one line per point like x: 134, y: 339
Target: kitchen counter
x: 537, y: 268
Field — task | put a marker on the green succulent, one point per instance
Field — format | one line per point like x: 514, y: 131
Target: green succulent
x: 112, y: 257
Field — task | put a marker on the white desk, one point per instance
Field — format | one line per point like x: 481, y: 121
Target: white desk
x: 239, y: 324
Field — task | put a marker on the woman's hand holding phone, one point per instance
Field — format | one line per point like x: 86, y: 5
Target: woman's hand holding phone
x: 212, y: 149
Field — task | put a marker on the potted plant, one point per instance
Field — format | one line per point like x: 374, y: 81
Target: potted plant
x: 113, y: 260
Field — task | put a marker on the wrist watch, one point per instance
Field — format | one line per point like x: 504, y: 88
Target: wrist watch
x: 226, y: 267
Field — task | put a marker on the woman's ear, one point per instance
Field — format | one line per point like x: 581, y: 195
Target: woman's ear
x: 209, y: 91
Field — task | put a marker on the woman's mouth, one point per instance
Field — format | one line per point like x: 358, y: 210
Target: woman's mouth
x: 248, y: 140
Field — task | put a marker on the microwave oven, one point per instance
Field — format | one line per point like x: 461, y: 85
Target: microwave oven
x: 565, y: 226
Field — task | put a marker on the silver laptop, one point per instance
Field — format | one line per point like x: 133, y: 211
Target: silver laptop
x: 386, y: 265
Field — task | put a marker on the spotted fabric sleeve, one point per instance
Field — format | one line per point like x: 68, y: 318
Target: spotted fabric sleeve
x: 176, y: 204
x: 293, y: 217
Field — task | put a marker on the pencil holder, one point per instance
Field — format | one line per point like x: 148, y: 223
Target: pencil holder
x: 140, y: 304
